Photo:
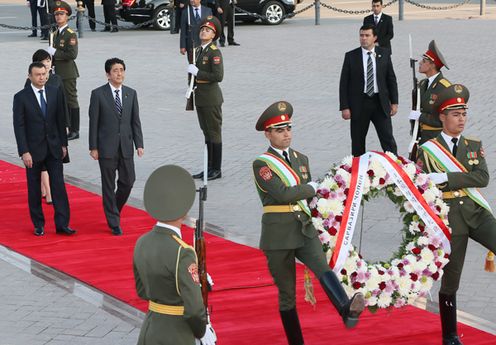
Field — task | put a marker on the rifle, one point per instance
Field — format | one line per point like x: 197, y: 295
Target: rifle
x: 414, y: 124
x: 199, y: 238
x: 190, y: 93
x: 49, y: 21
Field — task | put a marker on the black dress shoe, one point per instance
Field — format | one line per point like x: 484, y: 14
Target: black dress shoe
x: 93, y: 29
x: 198, y: 176
x: 214, y: 174
x: 105, y: 30
x: 116, y: 231
x: 39, y: 231
x: 452, y: 340
x: 114, y: 30
x: 234, y: 44
x: 65, y: 231
x: 33, y: 35
x: 222, y: 44
x: 73, y: 135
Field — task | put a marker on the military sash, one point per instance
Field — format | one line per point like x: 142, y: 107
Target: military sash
x: 445, y: 159
x: 287, y: 175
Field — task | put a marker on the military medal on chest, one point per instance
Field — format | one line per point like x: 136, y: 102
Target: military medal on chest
x: 472, y: 158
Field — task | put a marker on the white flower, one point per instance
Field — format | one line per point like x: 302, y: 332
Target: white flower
x: 327, y: 206
x: 413, y: 227
x: 427, y: 255
x: 318, y: 223
x: 371, y: 301
x: 408, y: 207
x: 423, y: 241
x: 410, y: 169
x: 346, y: 176
x: 429, y: 196
x: 347, y: 160
x: 384, y: 300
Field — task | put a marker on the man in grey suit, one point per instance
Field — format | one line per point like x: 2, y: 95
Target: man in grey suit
x: 191, y: 19
x: 114, y: 127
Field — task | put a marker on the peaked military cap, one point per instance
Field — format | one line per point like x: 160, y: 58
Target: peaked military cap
x: 169, y: 193
x: 435, y: 55
x: 454, y: 97
x: 277, y: 115
x: 62, y: 6
x: 214, y: 24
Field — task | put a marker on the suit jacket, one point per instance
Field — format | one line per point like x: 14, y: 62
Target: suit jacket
x: 384, y: 29
x: 284, y: 230
x: 64, y: 58
x: 210, y: 74
x: 186, y: 36
x: 165, y: 272
x: 351, y: 84
x: 109, y: 129
x: 34, y: 133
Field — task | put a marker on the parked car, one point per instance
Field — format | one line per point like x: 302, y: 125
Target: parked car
x: 140, y: 11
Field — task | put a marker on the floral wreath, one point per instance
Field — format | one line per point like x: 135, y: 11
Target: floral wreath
x: 419, y: 262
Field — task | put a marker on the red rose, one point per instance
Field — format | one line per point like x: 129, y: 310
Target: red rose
x: 416, y: 250
x: 382, y: 285
x: 343, y: 272
x: 357, y: 285
x: 332, y: 231
x: 413, y: 277
x: 421, y: 227
x: 346, y: 191
x: 380, y: 272
x: 431, y: 247
x: 338, y: 218
x: 315, y: 213
x: 382, y: 181
x: 370, y: 173
x: 435, y: 276
x: 438, y: 264
x: 400, y: 265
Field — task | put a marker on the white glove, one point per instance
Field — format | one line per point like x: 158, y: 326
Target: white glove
x: 315, y: 185
x: 438, y: 178
x: 414, y: 115
x: 192, y: 69
x: 210, y: 338
x: 51, y: 50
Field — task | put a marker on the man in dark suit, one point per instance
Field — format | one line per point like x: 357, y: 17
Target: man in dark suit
x: 227, y: 17
x: 90, y: 5
x: 39, y: 127
x: 39, y: 7
x: 191, y: 18
x: 114, y: 127
x: 383, y: 24
x: 368, y: 92
x: 109, y: 15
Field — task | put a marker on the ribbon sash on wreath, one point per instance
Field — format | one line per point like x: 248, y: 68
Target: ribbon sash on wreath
x: 444, y: 158
x: 287, y: 175
x: 403, y: 182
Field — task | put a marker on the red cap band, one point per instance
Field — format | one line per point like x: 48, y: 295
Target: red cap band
x: 277, y: 120
x: 210, y: 25
x: 452, y: 102
x: 434, y: 58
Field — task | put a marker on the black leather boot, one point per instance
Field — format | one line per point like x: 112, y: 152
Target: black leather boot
x: 74, y: 124
x: 216, y: 172
x: 292, y: 326
x: 199, y: 176
x: 447, y: 311
x: 349, y: 309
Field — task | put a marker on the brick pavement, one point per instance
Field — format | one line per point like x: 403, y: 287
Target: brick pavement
x: 296, y: 61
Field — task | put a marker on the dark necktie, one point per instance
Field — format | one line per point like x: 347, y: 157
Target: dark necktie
x: 455, y: 146
x: 198, y: 52
x: 43, y: 104
x: 118, y: 104
x: 376, y: 19
x: 197, y: 14
x: 286, y: 157
x: 370, y: 76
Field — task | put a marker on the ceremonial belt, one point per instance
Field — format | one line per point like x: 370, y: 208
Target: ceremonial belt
x: 202, y: 81
x: 454, y: 194
x: 282, y: 208
x: 166, y: 309
x: 426, y: 127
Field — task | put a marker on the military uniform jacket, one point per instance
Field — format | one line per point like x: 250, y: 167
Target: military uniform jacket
x: 67, y: 50
x: 477, y: 175
x: 428, y: 97
x: 166, y: 272
x: 210, y: 74
x: 284, y: 230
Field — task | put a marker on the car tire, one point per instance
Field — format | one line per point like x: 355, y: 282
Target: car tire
x: 273, y: 11
x: 161, y: 18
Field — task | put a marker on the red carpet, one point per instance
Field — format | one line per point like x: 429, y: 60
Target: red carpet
x: 240, y: 316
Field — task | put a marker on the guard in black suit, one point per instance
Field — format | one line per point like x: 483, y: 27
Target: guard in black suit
x: 383, y: 24
x: 227, y: 17
x: 191, y: 19
x: 368, y: 92
x: 109, y: 15
x: 114, y: 127
x: 39, y: 126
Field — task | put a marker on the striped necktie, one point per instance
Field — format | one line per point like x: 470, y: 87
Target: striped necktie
x: 118, y: 104
x: 370, y: 76
x: 43, y: 104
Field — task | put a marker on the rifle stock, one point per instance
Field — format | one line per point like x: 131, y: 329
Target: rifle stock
x: 414, y: 124
x: 200, y: 248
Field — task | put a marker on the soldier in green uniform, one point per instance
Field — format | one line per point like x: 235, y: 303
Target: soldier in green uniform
x: 457, y: 165
x: 283, y: 181
x: 430, y: 87
x: 64, y: 52
x: 165, y: 267
x: 209, y: 72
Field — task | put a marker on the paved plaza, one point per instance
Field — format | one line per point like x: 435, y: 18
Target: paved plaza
x: 296, y: 61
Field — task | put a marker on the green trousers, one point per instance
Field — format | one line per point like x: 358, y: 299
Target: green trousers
x: 467, y: 220
x: 282, y: 266
x: 210, y: 119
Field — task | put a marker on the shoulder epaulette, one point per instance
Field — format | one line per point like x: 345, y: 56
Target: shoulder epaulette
x: 181, y: 242
x: 213, y: 47
x: 445, y: 82
x: 69, y: 30
x: 473, y: 139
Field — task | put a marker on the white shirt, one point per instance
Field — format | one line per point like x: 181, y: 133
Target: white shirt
x: 365, y: 56
x: 171, y: 227
x: 280, y: 152
x: 447, y: 138
x: 431, y: 79
x: 62, y: 28
x: 199, y: 10
x: 37, y: 94
x: 113, y: 91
